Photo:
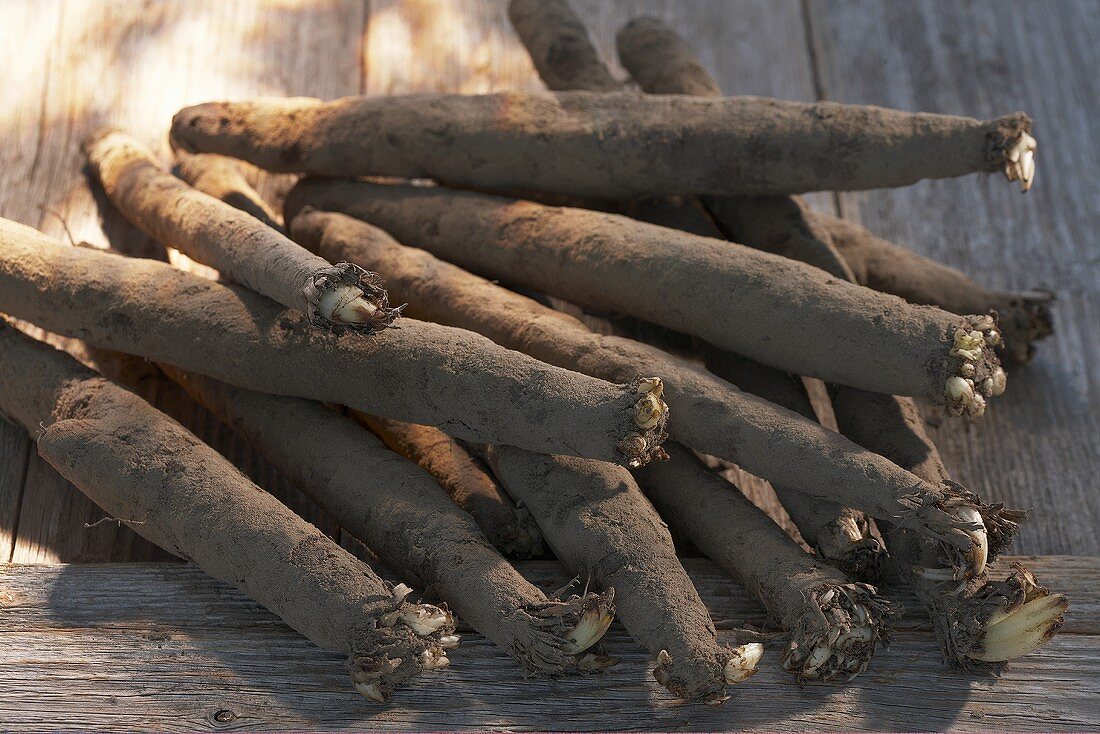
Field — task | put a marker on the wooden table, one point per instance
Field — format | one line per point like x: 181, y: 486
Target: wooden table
x: 160, y: 646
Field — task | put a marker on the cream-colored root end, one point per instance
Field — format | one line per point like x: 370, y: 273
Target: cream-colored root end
x: 588, y: 631
x: 742, y: 665
x: 1014, y: 634
x: 1021, y: 161
x: 346, y: 304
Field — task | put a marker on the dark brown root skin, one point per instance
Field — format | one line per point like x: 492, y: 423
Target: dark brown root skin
x: 660, y: 61
x: 473, y: 388
x: 713, y: 416
x: 840, y: 535
x: 890, y: 425
x: 559, y: 46
x: 613, y: 145
x: 771, y: 309
x: 233, y: 242
x: 602, y: 528
x: 792, y: 584
x: 398, y: 510
x: 180, y: 494
x: 1023, y: 318
x: 466, y: 480
x: 223, y: 179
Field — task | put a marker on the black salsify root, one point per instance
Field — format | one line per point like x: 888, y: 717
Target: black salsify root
x: 648, y: 419
x: 839, y: 641
x: 370, y: 283
x: 547, y: 652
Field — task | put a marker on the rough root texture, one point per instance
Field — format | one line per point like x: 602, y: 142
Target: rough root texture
x: 373, y: 290
x: 974, y: 371
x: 1023, y: 320
x: 963, y: 622
x: 839, y: 642
x: 649, y: 418
x: 554, y: 649
x: 393, y: 652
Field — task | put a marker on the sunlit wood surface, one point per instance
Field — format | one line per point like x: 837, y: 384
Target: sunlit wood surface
x: 74, y: 65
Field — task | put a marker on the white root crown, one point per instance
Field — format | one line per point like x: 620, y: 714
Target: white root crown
x: 839, y: 642
x: 742, y: 665
x: 345, y: 296
x: 405, y: 640
x: 977, y: 375
x: 648, y: 416
x: 1020, y: 161
x: 1024, y: 621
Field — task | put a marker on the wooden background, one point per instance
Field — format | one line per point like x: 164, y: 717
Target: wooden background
x: 73, y: 65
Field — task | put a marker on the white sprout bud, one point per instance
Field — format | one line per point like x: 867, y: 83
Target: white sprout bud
x: 742, y: 665
x: 1021, y: 161
x: 959, y: 390
x: 373, y: 691
x: 1000, y: 381
x: 648, y: 412
x: 345, y: 304
x: 1013, y: 634
x: 433, y: 661
x: 449, y: 642
x: 588, y: 631
x: 651, y: 385
x: 425, y: 619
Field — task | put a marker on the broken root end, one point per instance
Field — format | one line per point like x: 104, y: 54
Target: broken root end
x: 404, y: 641
x: 839, y: 642
x: 648, y: 420
x: 347, y: 297
x: 975, y: 373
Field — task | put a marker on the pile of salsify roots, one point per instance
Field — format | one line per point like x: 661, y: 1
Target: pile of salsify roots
x: 365, y: 343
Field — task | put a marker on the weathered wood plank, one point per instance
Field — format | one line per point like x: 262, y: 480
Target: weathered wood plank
x: 133, y: 65
x: 163, y: 647
x: 1040, y: 446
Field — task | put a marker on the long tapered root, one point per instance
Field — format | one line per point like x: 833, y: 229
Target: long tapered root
x: 346, y: 296
x: 406, y: 640
x: 564, y: 633
x: 977, y: 374
x: 840, y: 642
x: 649, y: 417
x: 1020, y: 161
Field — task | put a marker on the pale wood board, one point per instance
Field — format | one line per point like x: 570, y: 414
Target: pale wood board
x: 163, y: 647
x: 1039, y: 446
x: 83, y: 64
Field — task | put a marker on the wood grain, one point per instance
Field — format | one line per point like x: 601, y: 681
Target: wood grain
x: 163, y: 647
x: 1039, y: 447
x: 133, y: 65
